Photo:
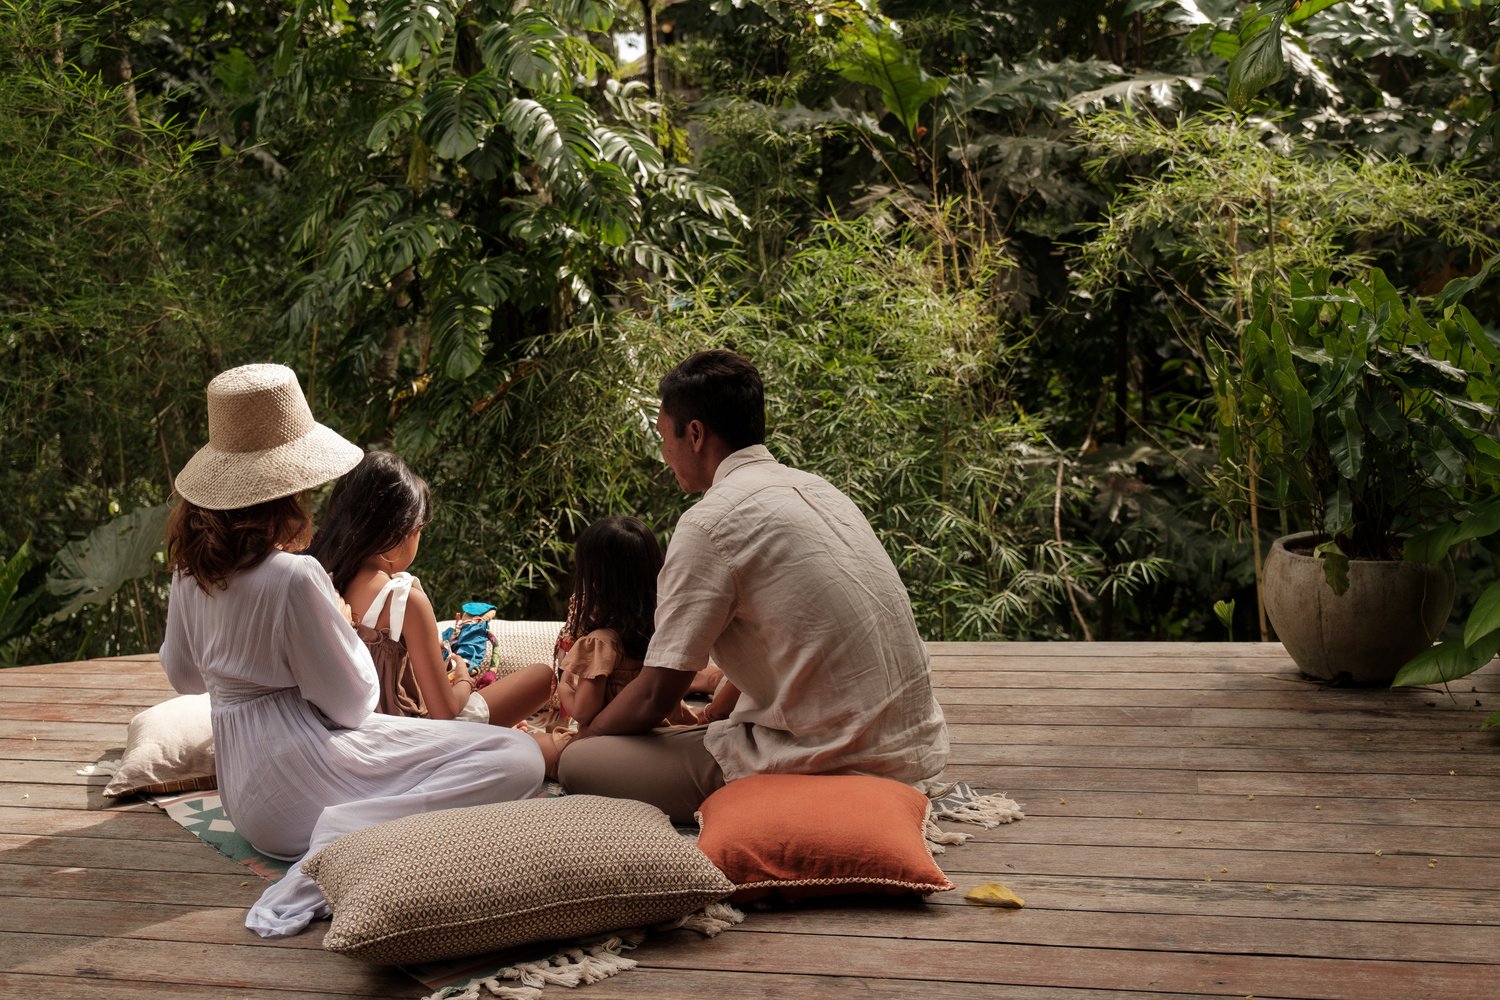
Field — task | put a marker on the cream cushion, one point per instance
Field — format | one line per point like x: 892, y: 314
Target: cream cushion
x: 467, y: 881
x: 168, y: 748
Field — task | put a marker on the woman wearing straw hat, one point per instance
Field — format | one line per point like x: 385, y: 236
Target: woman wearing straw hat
x: 301, y: 757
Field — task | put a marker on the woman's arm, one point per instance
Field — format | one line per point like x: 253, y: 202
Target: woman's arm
x: 330, y: 664
x: 176, y: 652
x: 444, y: 698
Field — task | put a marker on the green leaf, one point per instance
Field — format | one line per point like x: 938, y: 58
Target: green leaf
x: 1335, y: 565
x: 90, y: 570
x: 1491, y: 722
x: 1258, y: 64
x: 1440, y: 664
x: 1338, y: 512
x: 1456, y: 289
x: 1485, y: 618
x: 458, y: 113
x: 878, y: 59
x: 1347, y: 443
x: 406, y: 29
x: 1307, y: 8
x: 1296, y: 405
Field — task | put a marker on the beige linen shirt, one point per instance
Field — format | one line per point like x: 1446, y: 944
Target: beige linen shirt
x: 779, y: 576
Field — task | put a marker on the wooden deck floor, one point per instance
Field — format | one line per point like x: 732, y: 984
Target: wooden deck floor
x: 1200, y: 822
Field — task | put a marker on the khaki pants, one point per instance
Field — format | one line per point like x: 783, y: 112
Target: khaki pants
x: 669, y: 768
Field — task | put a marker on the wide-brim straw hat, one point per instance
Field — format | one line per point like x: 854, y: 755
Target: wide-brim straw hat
x: 263, y: 442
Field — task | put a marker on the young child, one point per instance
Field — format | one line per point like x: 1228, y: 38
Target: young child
x: 369, y: 535
x: 611, y: 618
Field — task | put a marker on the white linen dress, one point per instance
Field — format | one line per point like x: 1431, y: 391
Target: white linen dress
x: 301, y: 757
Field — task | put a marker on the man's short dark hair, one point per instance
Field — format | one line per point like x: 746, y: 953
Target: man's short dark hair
x: 721, y: 389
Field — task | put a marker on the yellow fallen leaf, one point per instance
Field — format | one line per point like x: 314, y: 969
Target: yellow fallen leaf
x: 1223, y: 871
x: 1250, y: 798
x: 1318, y: 807
x: 1380, y: 854
x: 994, y: 894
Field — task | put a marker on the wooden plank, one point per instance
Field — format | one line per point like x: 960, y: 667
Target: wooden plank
x: 1136, y: 931
x: 88, y: 798
x: 1323, y: 700
x: 229, y: 967
x: 1275, y: 834
x: 147, y: 824
x: 132, y: 695
x: 1044, y: 802
x: 1114, y: 779
x: 1204, y: 758
x: 1364, y: 722
x: 106, y: 733
x: 1313, y: 865
x: 1196, y: 652
x: 114, y: 988
x: 63, y: 750
x: 1297, y: 738
x: 1023, y: 965
x: 959, y: 678
x: 1269, y: 900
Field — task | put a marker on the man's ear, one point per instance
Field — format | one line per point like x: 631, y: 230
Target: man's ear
x: 697, y: 435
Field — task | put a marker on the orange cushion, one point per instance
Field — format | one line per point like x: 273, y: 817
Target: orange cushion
x: 800, y: 835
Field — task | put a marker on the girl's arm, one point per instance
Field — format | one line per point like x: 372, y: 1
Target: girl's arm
x: 444, y: 699
x: 582, y: 697
x: 724, y: 700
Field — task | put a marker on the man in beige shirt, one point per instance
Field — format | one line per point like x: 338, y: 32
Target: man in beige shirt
x: 779, y: 577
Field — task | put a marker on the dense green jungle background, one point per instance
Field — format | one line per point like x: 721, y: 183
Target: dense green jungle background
x: 983, y: 251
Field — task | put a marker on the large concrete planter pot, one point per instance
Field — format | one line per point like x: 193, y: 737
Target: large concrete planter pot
x: 1391, y: 612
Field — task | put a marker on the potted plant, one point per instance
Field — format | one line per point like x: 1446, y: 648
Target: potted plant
x: 1369, y: 417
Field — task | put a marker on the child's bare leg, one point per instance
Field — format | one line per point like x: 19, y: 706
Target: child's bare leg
x: 552, y: 747
x: 515, y: 696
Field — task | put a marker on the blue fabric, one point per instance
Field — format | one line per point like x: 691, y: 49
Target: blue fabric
x: 476, y: 608
x: 471, y: 640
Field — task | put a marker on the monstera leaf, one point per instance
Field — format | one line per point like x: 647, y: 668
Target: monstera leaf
x: 90, y: 570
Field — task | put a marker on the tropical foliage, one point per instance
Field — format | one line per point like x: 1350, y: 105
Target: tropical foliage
x: 994, y: 258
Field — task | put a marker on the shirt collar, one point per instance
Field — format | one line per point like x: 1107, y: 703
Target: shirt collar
x: 739, y: 459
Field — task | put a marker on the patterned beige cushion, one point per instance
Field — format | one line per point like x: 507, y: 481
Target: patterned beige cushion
x: 519, y: 643
x: 168, y: 748
x: 417, y: 890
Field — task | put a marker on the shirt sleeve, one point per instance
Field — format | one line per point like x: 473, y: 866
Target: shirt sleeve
x: 176, y: 655
x: 594, y: 655
x: 330, y: 664
x: 695, y: 601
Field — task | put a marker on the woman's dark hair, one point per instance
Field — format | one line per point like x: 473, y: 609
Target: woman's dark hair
x: 371, y: 509
x: 723, y: 390
x: 212, y: 545
x: 615, y: 562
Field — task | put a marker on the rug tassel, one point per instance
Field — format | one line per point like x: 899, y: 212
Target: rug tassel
x: 709, y: 921
x: 105, y: 766
x: 937, y: 837
x: 570, y: 968
x: 984, y: 810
